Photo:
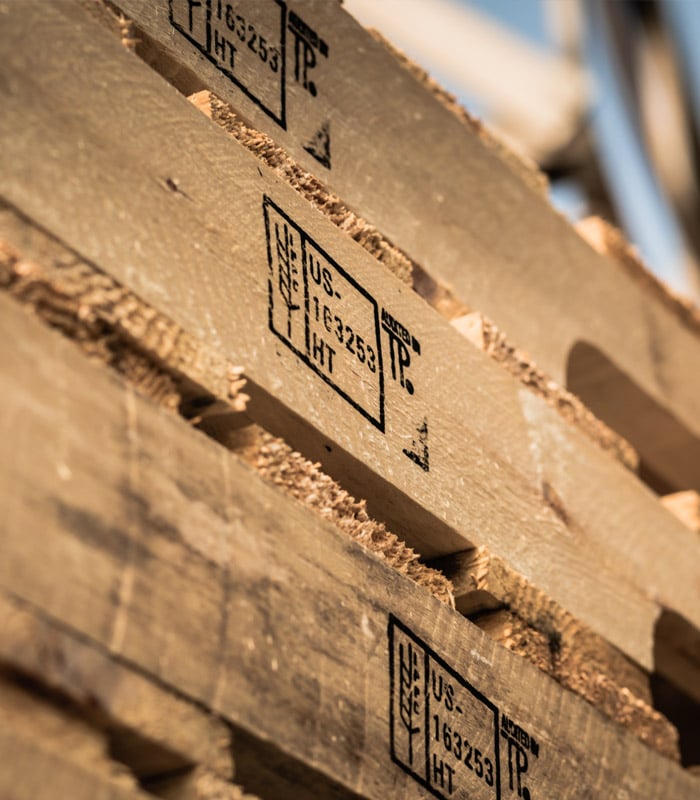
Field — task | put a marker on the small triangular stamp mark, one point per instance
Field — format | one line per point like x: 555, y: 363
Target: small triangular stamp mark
x: 419, y: 452
x: 319, y: 146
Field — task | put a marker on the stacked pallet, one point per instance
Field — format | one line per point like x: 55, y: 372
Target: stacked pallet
x: 287, y: 508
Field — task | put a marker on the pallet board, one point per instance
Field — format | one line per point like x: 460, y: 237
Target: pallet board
x: 216, y: 586
x: 168, y: 733
x: 193, y: 611
x: 47, y: 752
x: 158, y: 217
x: 495, y: 241
x: 87, y: 307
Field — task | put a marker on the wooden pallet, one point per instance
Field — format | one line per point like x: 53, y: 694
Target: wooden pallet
x: 493, y: 238
x: 162, y: 593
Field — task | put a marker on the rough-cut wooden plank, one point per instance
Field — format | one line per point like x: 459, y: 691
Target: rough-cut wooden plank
x: 182, y: 561
x: 119, y: 697
x: 47, y: 752
x: 48, y: 291
x: 115, y: 327
x: 496, y: 242
x: 504, y: 469
x: 492, y: 341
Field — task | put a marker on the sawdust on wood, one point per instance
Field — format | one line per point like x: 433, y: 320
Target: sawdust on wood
x: 569, y: 665
x: 272, y: 458
x: 529, y: 622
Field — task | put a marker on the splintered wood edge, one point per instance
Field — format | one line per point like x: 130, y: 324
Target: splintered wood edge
x: 525, y: 620
x: 298, y: 477
x: 521, y: 165
x: 492, y: 341
x: 166, y: 363
x: 111, y: 322
x: 607, y: 240
x: 585, y: 678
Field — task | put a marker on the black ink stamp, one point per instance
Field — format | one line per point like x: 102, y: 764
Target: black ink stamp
x: 323, y: 315
x: 520, y: 747
x: 308, y: 45
x: 419, y: 452
x: 319, y: 146
x: 443, y: 731
x: 401, y: 344
x: 245, y: 40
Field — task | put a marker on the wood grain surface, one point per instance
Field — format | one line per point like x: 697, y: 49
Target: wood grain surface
x: 182, y: 562
x: 434, y: 187
x: 166, y: 203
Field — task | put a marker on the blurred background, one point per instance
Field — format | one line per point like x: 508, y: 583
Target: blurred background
x: 603, y: 94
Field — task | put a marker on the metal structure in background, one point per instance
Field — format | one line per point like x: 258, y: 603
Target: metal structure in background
x: 644, y: 134
x: 603, y: 94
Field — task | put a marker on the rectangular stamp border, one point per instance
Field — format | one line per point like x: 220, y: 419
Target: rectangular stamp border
x: 281, y: 120
x: 377, y: 422
x: 393, y: 623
